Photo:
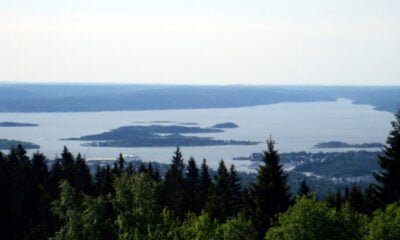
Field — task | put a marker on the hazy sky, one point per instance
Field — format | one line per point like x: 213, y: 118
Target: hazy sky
x: 345, y: 42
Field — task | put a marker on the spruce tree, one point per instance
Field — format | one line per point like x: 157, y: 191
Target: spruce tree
x: 130, y: 169
x: 68, y: 166
x: 269, y: 195
x: 387, y: 189
x: 142, y: 168
x: 82, y: 177
x: 356, y: 199
x: 40, y: 169
x: 204, y: 185
x: 121, y: 162
x: 192, y: 184
x: 156, y: 176
x: 235, y: 191
x: 304, y: 189
x: 174, y: 193
x: 218, y: 204
x: 104, y: 180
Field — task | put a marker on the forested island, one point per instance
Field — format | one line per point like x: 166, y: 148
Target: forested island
x: 17, y: 124
x: 338, y: 144
x: 6, y: 144
x: 156, y: 136
x: 225, y: 125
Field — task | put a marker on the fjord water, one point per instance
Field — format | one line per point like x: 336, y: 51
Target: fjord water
x: 294, y: 126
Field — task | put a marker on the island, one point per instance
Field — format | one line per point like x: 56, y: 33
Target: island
x: 17, y: 124
x: 6, y: 144
x: 225, y: 125
x: 338, y: 144
x: 156, y: 136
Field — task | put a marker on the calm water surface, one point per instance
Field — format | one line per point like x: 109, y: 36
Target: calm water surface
x: 294, y: 126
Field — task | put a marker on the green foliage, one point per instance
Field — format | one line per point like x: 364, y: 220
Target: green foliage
x: 135, y: 205
x: 201, y: 227
x: 385, y: 224
x: 310, y: 219
x: 167, y: 229
x: 96, y: 220
x: 237, y: 228
x: 68, y: 208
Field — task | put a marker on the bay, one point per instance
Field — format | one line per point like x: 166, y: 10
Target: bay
x: 294, y: 127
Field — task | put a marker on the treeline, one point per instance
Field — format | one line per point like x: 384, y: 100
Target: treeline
x: 124, y: 202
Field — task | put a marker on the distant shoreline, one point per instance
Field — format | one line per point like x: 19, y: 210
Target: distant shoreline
x: 339, y: 144
x: 6, y: 144
x: 15, y: 98
x: 17, y: 124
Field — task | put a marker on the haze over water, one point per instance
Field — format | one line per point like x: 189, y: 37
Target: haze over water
x: 294, y: 126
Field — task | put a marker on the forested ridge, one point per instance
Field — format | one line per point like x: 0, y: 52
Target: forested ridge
x: 114, y: 97
x: 123, y: 202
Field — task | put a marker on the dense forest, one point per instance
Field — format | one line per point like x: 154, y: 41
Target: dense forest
x: 123, y: 202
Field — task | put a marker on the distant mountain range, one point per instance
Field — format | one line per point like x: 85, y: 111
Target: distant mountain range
x: 86, y: 97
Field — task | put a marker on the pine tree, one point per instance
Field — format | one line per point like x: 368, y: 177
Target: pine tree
x: 269, y: 195
x: 178, y: 166
x: 68, y: 166
x: 156, y: 176
x: 56, y: 175
x: 130, y: 169
x: 19, y: 195
x: 153, y: 172
x: 192, y: 184
x: 142, y: 168
x: 204, y: 185
x: 40, y: 169
x: 387, y: 189
x: 174, y: 192
x: 18, y: 154
x: 356, y: 199
x: 335, y: 200
x: 82, y: 177
x: 235, y: 191
x: 370, y: 201
x: 218, y: 204
x: 121, y: 162
x: 104, y: 180
x: 304, y: 189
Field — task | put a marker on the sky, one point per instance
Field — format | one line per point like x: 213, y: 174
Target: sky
x: 260, y: 42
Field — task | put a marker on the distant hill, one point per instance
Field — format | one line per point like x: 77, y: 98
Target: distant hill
x: 6, y: 144
x: 225, y: 125
x: 17, y: 124
x: 338, y: 144
x: 83, y: 98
